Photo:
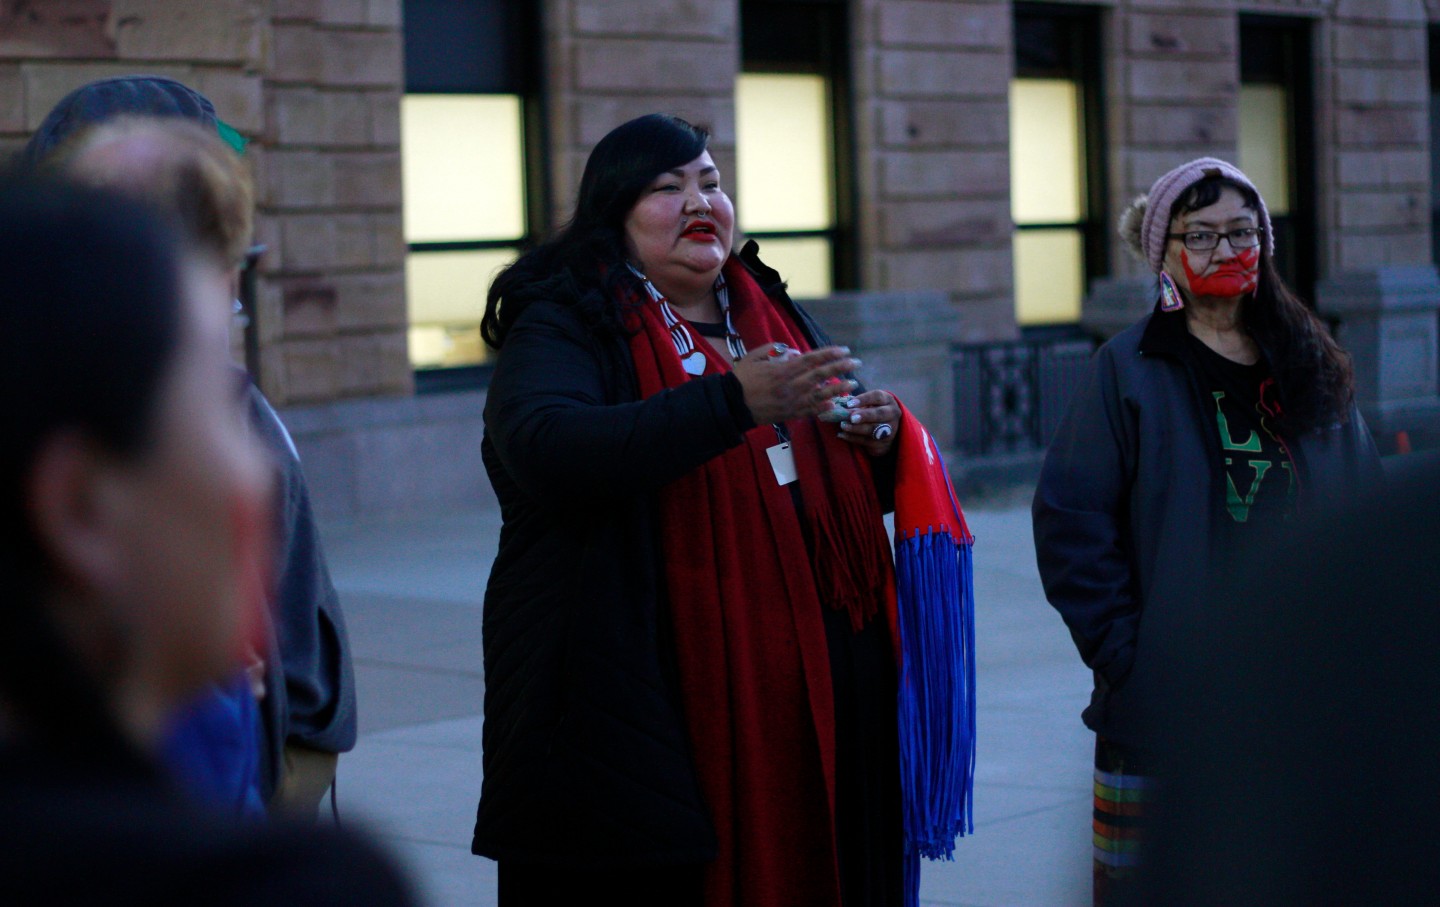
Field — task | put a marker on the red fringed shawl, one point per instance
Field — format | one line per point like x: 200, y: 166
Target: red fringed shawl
x: 745, y: 592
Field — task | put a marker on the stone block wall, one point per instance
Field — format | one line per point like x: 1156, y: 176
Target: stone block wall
x: 315, y: 86
x: 1378, y: 163
x: 1173, y: 78
x: 1173, y: 85
x: 933, y: 174
x: 332, y: 312
x: 48, y: 49
x: 609, y: 62
x: 893, y: 333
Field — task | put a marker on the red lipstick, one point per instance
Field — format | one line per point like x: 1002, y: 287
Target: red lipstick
x: 700, y: 231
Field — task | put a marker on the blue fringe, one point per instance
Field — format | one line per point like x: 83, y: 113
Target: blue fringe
x: 935, y: 594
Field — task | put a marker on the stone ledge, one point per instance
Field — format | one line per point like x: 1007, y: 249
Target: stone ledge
x: 1115, y: 303
x: 1394, y: 288
x: 878, y: 319
x: 1420, y: 421
x: 984, y: 477
x: 391, y: 456
x: 348, y: 415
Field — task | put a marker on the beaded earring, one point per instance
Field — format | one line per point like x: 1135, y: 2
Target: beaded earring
x: 1170, y: 298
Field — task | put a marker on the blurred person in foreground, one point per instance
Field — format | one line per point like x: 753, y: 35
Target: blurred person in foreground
x: 1320, y: 667
x: 690, y: 654
x: 1223, y: 416
x: 134, y: 558
x: 161, y: 141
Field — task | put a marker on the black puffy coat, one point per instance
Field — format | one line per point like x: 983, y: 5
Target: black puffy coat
x: 586, y: 755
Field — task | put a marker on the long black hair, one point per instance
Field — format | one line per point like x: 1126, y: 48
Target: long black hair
x: 89, y: 324
x: 1314, y: 375
x: 584, y: 263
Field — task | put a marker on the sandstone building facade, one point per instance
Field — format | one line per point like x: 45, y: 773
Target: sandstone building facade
x: 969, y: 158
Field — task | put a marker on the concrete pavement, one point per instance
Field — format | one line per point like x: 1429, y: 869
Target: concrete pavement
x: 412, y: 591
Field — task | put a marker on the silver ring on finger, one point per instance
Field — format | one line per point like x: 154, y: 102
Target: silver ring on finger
x: 882, y: 431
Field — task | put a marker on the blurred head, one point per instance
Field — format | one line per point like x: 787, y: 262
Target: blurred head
x: 104, y: 99
x: 134, y: 501
x: 181, y: 167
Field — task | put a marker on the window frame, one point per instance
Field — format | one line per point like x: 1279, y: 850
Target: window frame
x: 1079, y: 59
x: 1277, y: 50
x: 506, y: 59
x: 1433, y: 63
x: 824, y: 51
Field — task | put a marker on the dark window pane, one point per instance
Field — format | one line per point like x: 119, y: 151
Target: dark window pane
x: 1044, y: 45
x: 1435, y: 143
x: 473, y: 47
x: 1275, y: 56
x: 792, y: 35
x: 1266, y: 53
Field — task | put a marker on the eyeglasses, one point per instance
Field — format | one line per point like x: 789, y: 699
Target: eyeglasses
x: 1206, y: 240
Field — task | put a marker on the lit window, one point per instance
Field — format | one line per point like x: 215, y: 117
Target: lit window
x: 1047, y: 201
x: 1049, y: 276
x: 1265, y: 143
x: 1057, y: 177
x: 446, y: 292
x: 792, y: 191
x: 785, y: 194
x: 1045, y: 151
x: 463, y: 221
x: 805, y: 262
x: 483, y: 198
x: 468, y: 125
x: 782, y: 124
x: 1276, y: 146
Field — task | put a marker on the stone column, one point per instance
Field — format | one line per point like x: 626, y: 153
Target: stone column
x: 893, y: 332
x: 332, y: 300
x: 1172, y: 77
x: 1115, y: 303
x: 1382, y: 285
x: 1388, y: 320
x: 932, y: 120
x: 609, y: 62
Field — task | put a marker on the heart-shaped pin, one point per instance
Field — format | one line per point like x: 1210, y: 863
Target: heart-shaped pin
x: 693, y: 362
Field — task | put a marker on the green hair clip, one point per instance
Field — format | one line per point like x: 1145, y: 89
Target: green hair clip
x: 232, y: 138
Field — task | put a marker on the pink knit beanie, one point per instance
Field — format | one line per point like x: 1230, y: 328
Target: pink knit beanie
x: 1171, y: 186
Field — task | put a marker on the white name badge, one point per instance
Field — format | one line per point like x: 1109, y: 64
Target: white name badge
x: 782, y: 460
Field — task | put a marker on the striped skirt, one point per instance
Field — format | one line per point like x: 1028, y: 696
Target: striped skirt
x: 1123, y: 792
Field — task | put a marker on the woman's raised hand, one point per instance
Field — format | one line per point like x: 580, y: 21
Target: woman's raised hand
x: 782, y: 384
x: 874, y: 422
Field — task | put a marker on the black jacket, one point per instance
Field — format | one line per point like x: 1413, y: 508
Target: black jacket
x: 310, y: 680
x: 586, y: 756
x: 1128, y: 509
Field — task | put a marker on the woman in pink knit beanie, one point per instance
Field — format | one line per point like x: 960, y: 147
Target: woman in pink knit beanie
x: 1225, y: 414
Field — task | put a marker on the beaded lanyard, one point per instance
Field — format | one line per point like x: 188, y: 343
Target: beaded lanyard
x: 691, y: 358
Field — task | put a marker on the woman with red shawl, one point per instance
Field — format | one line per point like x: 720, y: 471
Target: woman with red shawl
x: 690, y: 677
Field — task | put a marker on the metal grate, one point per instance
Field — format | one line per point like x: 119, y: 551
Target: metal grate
x: 1009, y: 397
